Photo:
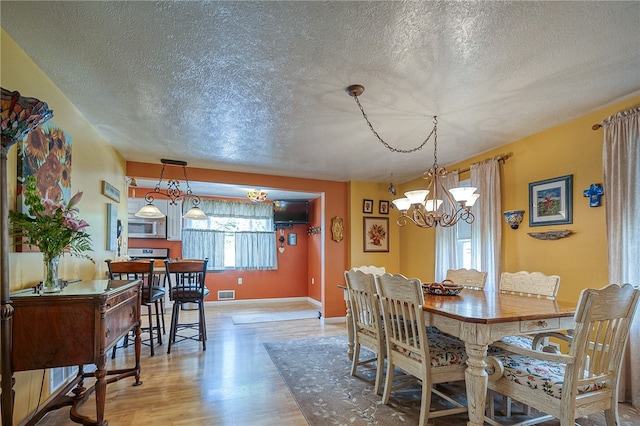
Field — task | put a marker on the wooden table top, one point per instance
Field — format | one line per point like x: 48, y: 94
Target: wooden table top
x: 484, y: 307
x: 79, y: 288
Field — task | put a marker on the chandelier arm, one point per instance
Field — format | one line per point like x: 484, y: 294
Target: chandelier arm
x: 148, y: 198
x: 389, y: 147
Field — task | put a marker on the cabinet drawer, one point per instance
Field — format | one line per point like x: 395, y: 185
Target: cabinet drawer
x: 119, y: 321
x: 121, y: 315
x: 539, y: 325
x: 123, y: 297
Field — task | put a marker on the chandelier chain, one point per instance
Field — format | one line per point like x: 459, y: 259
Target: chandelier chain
x: 437, y: 205
x: 184, y: 170
x: 389, y: 147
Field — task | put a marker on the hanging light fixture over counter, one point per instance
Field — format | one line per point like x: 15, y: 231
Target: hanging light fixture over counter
x: 436, y: 205
x: 257, y: 195
x: 173, y: 194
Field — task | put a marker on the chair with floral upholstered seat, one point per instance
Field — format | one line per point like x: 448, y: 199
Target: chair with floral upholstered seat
x: 530, y: 284
x: 430, y: 357
x: 367, y: 322
x: 583, y: 381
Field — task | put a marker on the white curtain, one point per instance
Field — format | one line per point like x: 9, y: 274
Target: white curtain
x: 222, y: 208
x: 203, y: 243
x: 256, y: 250
x: 486, y: 229
x: 621, y: 164
x: 447, y: 237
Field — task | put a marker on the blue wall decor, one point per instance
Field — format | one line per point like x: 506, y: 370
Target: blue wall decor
x: 594, y: 193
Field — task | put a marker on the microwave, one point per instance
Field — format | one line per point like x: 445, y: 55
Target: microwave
x: 147, y: 228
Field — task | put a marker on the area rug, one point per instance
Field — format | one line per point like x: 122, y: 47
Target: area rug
x: 317, y: 372
x: 274, y: 316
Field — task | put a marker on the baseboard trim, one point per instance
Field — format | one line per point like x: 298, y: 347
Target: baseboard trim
x: 269, y: 300
x: 332, y: 320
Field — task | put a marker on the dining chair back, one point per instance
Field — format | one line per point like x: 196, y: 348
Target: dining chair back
x: 531, y: 284
x: 371, y: 269
x: 186, y: 280
x: 367, y: 322
x: 432, y: 358
x: 469, y: 278
x: 152, y: 295
x: 585, y: 380
x: 525, y: 283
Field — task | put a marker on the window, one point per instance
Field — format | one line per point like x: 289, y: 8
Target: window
x: 237, y: 235
x: 464, y: 239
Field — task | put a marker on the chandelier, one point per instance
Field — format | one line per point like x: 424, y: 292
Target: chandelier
x: 257, y: 195
x: 173, y: 193
x: 436, y: 205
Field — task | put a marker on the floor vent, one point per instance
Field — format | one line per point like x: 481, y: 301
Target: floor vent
x: 226, y: 294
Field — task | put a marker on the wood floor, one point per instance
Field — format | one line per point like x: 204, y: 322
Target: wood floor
x: 233, y: 382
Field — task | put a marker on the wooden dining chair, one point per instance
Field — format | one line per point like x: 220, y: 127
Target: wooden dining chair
x: 152, y: 295
x: 530, y: 284
x: 431, y: 358
x: 367, y: 322
x: 186, y: 279
x: 469, y: 278
x: 583, y: 381
x: 371, y: 269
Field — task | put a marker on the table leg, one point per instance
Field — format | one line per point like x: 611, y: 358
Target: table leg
x: 476, y: 381
x: 101, y: 390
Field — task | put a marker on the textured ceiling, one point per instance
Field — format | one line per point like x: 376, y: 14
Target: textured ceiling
x: 260, y: 86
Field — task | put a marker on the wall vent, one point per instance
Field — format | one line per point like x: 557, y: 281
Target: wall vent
x: 60, y: 376
x: 226, y: 294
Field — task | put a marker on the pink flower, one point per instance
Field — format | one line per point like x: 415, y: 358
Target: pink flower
x: 51, y: 207
x: 74, y: 200
x: 74, y: 224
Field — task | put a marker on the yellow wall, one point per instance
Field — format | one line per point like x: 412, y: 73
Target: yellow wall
x: 359, y: 191
x: 580, y: 259
x: 571, y: 148
x: 93, y: 160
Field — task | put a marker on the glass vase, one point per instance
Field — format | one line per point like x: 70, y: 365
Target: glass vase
x: 50, y: 282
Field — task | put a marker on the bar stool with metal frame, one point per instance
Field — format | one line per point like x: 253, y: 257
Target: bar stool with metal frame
x: 186, y: 280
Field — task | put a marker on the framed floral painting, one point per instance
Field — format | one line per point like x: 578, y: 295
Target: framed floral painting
x: 45, y: 154
x: 376, y: 234
x: 551, y: 201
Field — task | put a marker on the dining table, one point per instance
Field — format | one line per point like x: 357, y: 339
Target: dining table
x: 480, y: 318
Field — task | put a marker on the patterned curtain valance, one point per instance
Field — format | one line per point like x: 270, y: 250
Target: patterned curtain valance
x: 222, y: 208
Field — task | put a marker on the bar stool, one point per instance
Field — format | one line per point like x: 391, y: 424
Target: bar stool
x: 152, y: 293
x: 186, y: 280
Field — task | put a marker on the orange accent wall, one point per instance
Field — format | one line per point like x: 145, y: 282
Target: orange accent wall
x: 297, y: 263
x: 314, y: 258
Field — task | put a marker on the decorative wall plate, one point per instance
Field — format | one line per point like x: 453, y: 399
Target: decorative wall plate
x: 551, y: 235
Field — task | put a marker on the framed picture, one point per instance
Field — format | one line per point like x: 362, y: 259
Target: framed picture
x: 110, y: 191
x: 551, y: 201
x: 367, y: 206
x: 376, y: 234
x: 292, y: 239
x: 383, y: 207
x: 45, y: 154
x: 112, y: 227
